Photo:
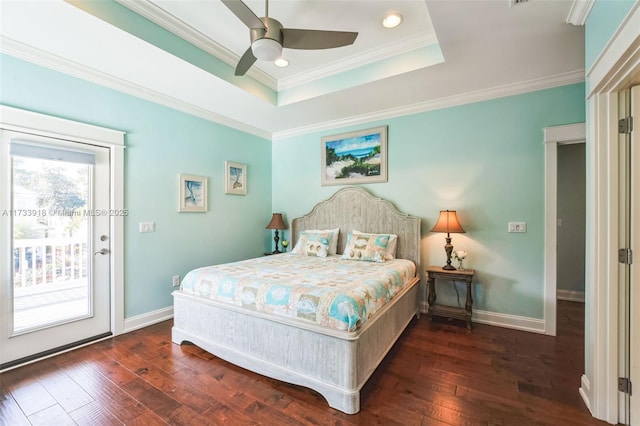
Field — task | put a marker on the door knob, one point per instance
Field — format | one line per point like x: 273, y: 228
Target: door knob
x: 103, y: 251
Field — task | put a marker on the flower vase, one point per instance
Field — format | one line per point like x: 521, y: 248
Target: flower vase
x: 460, y: 265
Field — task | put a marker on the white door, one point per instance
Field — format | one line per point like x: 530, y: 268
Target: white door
x: 54, y: 221
x: 634, y: 328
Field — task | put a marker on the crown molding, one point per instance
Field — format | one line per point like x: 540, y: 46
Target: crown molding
x: 379, y: 53
x: 164, y: 19
x: 451, y: 101
x: 54, y: 62
x: 579, y: 12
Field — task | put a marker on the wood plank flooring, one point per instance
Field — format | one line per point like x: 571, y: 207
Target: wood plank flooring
x: 438, y: 373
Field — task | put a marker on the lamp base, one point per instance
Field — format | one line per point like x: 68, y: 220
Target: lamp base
x: 448, y: 248
x: 275, y: 240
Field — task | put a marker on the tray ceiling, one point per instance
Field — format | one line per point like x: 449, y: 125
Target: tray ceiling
x: 183, y: 53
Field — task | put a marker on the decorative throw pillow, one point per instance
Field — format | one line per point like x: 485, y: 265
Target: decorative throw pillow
x: 333, y: 240
x: 312, y: 244
x: 367, y: 247
x: 390, y: 251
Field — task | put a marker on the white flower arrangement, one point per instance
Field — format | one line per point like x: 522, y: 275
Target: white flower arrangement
x: 459, y: 254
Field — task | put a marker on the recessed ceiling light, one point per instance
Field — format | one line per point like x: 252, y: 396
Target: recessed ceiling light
x: 392, y: 20
x: 281, y: 62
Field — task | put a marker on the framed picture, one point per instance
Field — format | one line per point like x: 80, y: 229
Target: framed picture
x: 193, y: 193
x: 235, y: 178
x: 355, y: 157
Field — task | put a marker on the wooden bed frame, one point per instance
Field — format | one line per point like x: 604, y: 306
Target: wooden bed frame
x: 334, y: 363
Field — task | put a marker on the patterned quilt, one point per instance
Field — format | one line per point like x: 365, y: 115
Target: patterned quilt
x: 331, y: 292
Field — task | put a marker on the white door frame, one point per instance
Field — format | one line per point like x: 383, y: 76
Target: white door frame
x: 634, y: 367
x: 554, y: 136
x: 44, y: 125
x: 615, y: 69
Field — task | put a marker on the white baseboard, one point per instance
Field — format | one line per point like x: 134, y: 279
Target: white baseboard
x: 570, y: 295
x: 585, y: 391
x: 532, y: 325
x: 145, y: 320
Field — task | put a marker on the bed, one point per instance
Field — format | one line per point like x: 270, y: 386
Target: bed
x: 334, y: 361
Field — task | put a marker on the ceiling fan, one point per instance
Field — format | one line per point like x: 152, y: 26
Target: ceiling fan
x: 268, y: 37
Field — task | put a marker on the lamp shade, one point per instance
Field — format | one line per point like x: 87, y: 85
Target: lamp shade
x: 277, y: 222
x: 448, y: 222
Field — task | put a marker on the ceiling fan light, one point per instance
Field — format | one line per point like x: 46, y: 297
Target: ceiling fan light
x: 266, y: 49
x: 392, y: 20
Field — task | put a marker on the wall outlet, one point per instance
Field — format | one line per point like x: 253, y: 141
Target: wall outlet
x: 147, y: 227
x: 176, y: 280
x: 517, y: 227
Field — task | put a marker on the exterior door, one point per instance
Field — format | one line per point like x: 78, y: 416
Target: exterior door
x: 54, y: 219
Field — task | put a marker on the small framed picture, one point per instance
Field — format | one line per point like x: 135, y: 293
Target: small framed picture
x: 193, y: 193
x: 235, y: 178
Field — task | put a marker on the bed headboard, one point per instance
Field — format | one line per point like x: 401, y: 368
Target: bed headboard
x: 354, y: 208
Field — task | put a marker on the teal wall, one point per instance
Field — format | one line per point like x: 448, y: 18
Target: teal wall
x: 603, y: 21
x: 161, y: 143
x: 485, y: 160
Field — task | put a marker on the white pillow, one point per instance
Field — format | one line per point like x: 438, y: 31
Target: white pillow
x: 333, y: 241
x: 390, y: 251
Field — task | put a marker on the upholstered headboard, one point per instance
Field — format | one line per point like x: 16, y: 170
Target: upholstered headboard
x: 354, y: 208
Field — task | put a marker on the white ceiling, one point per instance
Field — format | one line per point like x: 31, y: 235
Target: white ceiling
x: 489, y: 49
x: 223, y: 31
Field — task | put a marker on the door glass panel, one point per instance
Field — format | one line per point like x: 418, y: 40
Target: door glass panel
x: 51, y: 242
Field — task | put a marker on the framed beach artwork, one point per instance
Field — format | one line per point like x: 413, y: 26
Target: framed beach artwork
x: 193, y: 193
x: 355, y: 157
x: 235, y: 178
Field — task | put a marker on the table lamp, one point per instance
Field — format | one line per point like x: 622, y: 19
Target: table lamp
x: 448, y: 222
x: 276, y: 223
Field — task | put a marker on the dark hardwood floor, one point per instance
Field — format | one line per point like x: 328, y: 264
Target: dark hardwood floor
x: 437, y: 373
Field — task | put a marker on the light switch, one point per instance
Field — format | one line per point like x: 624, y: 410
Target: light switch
x: 147, y: 227
x: 517, y: 226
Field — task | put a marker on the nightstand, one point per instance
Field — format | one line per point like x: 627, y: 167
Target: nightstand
x: 436, y: 272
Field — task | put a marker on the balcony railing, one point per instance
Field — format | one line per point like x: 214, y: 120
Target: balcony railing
x: 44, y: 261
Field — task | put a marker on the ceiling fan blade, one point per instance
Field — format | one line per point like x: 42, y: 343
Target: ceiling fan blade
x: 246, y: 62
x: 245, y: 14
x: 316, y: 39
